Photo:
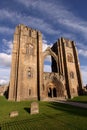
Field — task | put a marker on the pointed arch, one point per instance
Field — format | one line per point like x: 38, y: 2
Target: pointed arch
x: 54, y: 87
x: 48, y: 52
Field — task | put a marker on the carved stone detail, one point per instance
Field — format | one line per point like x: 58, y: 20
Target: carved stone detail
x: 29, y: 72
x: 28, y: 49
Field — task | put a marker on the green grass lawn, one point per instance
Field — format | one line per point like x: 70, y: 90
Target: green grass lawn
x: 52, y: 116
x: 82, y: 99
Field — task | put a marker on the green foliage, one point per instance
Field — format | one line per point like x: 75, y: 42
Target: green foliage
x: 52, y: 116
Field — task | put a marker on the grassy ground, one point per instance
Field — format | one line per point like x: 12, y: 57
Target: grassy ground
x: 52, y: 116
x: 82, y: 99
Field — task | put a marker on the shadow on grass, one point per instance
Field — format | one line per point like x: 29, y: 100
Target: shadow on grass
x: 77, y: 101
x: 68, y: 109
x: 27, y: 109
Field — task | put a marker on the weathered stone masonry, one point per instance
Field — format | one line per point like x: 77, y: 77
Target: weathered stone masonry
x: 28, y: 81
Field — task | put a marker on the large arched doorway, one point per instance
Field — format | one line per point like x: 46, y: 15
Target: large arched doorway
x: 54, y: 88
x: 52, y: 92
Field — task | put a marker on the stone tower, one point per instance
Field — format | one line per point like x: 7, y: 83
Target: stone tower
x: 26, y: 64
x: 29, y: 81
x: 68, y: 65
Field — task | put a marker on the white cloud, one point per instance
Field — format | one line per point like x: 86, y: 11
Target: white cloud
x: 6, y: 30
x: 59, y: 14
x: 82, y: 52
x: 81, y: 45
x: 56, y: 13
x: 35, y: 22
x: 5, y: 60
x: 47, y: 68
x: 4, y: 75
x: 45, y: 45
x: 3, y: 82
x: 30, y: 3
x: 7, y: 46
x: 5, y: 14
x: 84, y: 74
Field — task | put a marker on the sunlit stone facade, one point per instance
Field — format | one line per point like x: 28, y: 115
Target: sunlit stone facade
x: 27, y: 79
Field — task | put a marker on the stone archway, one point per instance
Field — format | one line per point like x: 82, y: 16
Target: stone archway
x: 54, y: 87
x: 54, y: 59
x: 52, y: 92
x: 50, y: 88
x: 48, y: 51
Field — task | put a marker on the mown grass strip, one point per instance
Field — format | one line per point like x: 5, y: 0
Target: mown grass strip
x: 52, y: 116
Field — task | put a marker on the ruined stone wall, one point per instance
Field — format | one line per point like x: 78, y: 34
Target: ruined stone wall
x: 54, y: 80
x: 3, y: 90
x: 27, y: 79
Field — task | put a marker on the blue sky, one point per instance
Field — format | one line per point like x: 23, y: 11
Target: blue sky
x: 54, y: 18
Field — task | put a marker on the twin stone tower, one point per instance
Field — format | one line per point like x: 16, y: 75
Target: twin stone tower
x: 28, y: 81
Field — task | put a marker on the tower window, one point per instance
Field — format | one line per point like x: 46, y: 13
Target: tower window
x: 29, y: 92
x: 72, y: 75
x: 69, y: 57
x: 43, y: 87
x: 29, y: 49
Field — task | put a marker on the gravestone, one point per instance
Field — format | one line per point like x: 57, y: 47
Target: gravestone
x: 34, y: 109
x: 13, y: 113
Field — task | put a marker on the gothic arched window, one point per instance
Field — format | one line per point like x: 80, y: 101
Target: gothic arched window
x: 69, y: 57
x: 29, y: 49
x: 72, y: 75
x: 29, y: 92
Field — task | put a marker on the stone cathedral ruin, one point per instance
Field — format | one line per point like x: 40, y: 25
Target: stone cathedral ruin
x: 29, y: 81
